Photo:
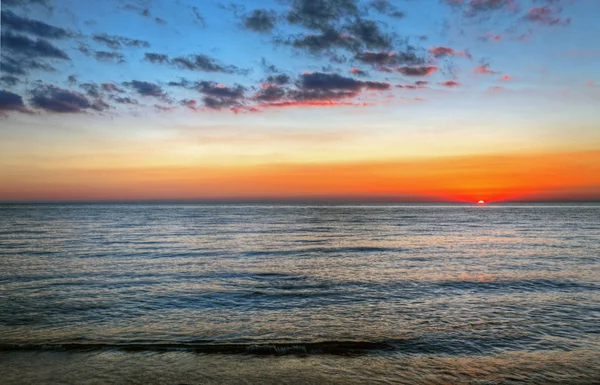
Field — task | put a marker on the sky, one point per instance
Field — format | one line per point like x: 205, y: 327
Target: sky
x: 375, y: 100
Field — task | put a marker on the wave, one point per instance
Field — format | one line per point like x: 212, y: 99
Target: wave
x: 325, y: 347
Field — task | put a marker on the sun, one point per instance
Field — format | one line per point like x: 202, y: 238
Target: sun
x: 481, y: 202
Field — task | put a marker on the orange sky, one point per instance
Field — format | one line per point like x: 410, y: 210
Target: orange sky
x: 493, y: 178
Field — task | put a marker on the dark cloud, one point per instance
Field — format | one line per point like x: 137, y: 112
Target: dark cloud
x: 330, y: 82
x: 9, y: 80
x: 23, y: 66
x: 319, y: 80
x: 202, y: 63
x: 270, y: 93
x: 146, y: 88
x: 260, y: 20
x: 109, y: 56
x: 318, y: 14
x: 387, y: 58
x: 101, y: 55
x: 219, y: 91
x: 218, y: 103
x: 24, y: 46
x: 91, y: 89
x: 11, y: 102
x: 124, y: 100
x: 160, y: 21
x: 280, y: 79
x: 156, y: 57
x: 370, y: 34
x: 417, y: 71
x: 421, y: 83
x: 111, y: 88
x: 376, y: 85
x: 216, y: 96
x: 72, y: 80
x: 11, y: 21
x: 58, y: 100
x: 193, y: 63
x: 181, y: 83
x: 386, y: 8
x: 324, y: 41
x: 117, y: 42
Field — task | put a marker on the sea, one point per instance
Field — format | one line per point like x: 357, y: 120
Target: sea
x: 301, y: 294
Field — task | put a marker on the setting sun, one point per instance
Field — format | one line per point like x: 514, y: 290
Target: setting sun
x: 481, y: 202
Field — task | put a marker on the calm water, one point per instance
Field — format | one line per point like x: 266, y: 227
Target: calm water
x: 380, y: 294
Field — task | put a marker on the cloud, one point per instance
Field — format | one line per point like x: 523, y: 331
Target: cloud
x: 23, y: 66
x: 189, y: 103
x: 472, y: 8
x: 91, y: 89
x: 146, y: 88
x: 260, y: 20
x: 124, y: 100
x: 111, y: 88
x: 449, y: 83
x: 216, y: 96
x: 318, y: 14
x: 417, y: 71
x: 370, y: 34
x: 506, y: 78
x: 421, y: 83
x: 109, y: 56
x: 386, y: 8
x: 24, y: 46
x: 388, y: 58
x: 58, y: 100
x: 118, y: 42
x: 220, y: 91
x: 9, y: 80
x: 358, y: 72
x: 11, y: 102
x: 11, y: 21
x: 198, y: 15
x: 104, y: 56
x: 326, y: 40
x: 202, y: 63
x: 324, y: 81
x: 545, y: 15
x: 156, y: 57
x: 279, y: 79
x: 447, y: 51
x: 270, y: 93
x: 218, y: 103
x: 193, y: 63
x: 8, y: 3
x: 484, y: 69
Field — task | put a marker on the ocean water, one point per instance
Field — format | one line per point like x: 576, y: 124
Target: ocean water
x: 113, y: 294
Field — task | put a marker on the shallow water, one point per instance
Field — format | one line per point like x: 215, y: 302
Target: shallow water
x: 433, y: 293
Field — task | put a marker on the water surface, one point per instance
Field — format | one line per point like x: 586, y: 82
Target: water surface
x: 425, y: 293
